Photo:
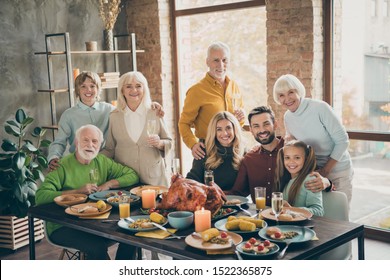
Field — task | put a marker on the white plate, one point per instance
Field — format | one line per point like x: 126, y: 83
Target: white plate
x: 197, y: 242
x: 103, y: 195
x: 304, y: 234
x: 125, y: 225
x: 221, y: 226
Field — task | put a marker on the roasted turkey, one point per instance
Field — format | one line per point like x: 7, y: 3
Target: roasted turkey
x: 190, y: 195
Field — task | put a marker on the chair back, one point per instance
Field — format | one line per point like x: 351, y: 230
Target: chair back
x: 336, y: 207
x: 71, y: 253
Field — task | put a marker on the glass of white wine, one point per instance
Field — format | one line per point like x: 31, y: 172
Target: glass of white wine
x: 151, y: 127
x: 94, y: 176
x: 236, y: 101
x: 277, y: 204
x: 175, y: 166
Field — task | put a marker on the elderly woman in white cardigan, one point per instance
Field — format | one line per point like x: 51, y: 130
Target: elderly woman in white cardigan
x: 315, y: 123
x: 128, y: 141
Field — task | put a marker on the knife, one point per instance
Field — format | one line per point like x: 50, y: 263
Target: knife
x: 234, y: 247
x: 163, y: 228
x: 157, y: 226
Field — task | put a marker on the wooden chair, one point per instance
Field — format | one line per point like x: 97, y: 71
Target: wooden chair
x: 336, y: 207
x: 70, y: 253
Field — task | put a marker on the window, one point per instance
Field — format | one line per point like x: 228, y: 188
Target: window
x: 243, y: 29
x: 361, y: 96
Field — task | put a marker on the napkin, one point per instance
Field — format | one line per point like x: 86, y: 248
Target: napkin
x: 227, y: 251
x: 158, y: 233
x: 98, y: 217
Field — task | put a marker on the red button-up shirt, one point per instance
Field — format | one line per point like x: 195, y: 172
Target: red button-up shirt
x: 257, y: 169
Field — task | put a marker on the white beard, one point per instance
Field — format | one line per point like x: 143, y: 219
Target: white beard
x: 86, y: 155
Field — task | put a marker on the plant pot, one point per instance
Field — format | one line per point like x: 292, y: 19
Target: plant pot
x: 108, y: 37
x: 14, y: 231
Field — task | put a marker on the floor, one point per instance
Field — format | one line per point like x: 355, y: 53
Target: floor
x: 374, y: 250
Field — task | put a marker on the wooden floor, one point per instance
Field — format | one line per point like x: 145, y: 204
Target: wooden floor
x: 374, y: 250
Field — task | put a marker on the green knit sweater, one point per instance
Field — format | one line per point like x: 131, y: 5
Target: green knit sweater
x: 71, y: 174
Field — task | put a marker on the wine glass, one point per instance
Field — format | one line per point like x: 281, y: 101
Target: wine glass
x: 175, y: 166
x: 236, y: 101
x: 277, y: 204
x: 151, y: 127
x: 208, y: 177
x: 94, y: 176
x: 260, y: 193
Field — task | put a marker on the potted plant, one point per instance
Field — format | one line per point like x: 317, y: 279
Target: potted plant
x: 21, y: 165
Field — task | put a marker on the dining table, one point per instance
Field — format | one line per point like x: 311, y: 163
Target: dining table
x: 330, y: 234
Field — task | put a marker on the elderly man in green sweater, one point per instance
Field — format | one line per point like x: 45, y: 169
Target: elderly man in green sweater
x: 71, y: 177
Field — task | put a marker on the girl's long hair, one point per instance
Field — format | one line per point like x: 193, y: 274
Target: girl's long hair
x: 282, y: 176
x: 213, y: 158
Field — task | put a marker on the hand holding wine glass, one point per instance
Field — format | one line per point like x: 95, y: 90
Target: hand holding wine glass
x: 151, y: 127
x: 277, y: 204
x: 94, y: 176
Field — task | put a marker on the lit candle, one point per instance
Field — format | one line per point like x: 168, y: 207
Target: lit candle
x: 76, y: 72
x: 202, y: 220
x: 148, y: 199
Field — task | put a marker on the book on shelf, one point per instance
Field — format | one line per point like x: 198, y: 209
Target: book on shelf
x: 109, y: 74
x: 109, y: 79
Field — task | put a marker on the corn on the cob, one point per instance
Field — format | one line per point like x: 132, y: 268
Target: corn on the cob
x: 231, y: 218
x: 233, y: 225
x: 157, y: 218
x: 247, y: 226
x: 209, y: 233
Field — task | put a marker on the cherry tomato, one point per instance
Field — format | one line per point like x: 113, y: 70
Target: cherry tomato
x: 229, y: 210
x: 224, y: 235
x: 151, y: 210
x: 278, y: 234
x: 260, y: 247
x: 267, y: 243
x: 248, y: 245
x: 252, y: 240
x: 120, y: 193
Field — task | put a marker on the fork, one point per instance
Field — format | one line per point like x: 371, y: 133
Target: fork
x: 244, y: 210
x: 234, y: 247
x: 281, y: 255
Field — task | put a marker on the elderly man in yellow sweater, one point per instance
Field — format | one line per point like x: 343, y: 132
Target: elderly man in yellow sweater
x: 212, y: 94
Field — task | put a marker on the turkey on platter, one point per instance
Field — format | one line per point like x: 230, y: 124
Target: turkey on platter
x: 190, y: 195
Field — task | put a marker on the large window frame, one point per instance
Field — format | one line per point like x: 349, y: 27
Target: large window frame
x: 328, y: 73
x: 328, y: 6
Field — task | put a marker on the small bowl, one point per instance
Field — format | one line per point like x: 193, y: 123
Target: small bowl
x: 181, y: 219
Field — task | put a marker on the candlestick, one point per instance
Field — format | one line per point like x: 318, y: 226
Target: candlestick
x: 148, y: 198
x: 202, y: 220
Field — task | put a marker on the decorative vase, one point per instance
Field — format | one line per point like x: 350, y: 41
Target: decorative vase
x: 108, y: 36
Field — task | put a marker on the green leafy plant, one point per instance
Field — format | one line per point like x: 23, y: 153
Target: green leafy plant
x: 21, y: 165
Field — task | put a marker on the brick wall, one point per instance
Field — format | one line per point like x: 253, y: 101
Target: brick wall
x: 150, y: 21
x: 294, y: 45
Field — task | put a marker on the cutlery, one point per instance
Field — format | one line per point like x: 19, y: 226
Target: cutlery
x: 234, y: 247
x: 157, y: 226
x: 244, y: 210
x: 109, y: 221
x: 163, y: 228
x: 281, y: 255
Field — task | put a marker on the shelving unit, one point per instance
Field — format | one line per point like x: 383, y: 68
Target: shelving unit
x: 67, y: 54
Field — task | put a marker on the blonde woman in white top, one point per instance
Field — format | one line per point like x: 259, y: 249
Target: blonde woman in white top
x: 128, y: 141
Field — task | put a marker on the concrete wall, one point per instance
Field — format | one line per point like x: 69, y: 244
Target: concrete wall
x: 23, y: 25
